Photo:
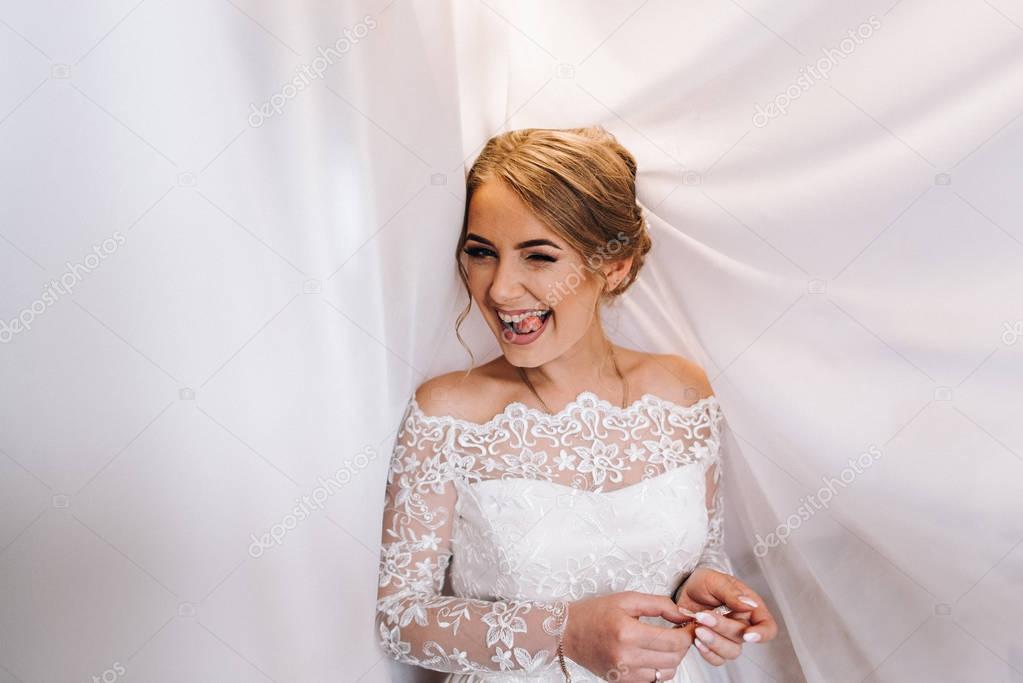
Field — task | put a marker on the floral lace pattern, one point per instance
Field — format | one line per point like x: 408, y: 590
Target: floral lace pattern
x: 529, y: 511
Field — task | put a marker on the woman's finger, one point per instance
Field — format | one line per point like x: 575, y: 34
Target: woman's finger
x: 719, y: 645
x: 638, y: 604
x: 709, y: 655
x: 648, y: 674
x: 724, y: 626
x: 762, y: 626
x: 737, y: 595
x: 654, y: 638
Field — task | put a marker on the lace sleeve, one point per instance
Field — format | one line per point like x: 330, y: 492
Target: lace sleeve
x: 415, y: 623
x: 714, y: 555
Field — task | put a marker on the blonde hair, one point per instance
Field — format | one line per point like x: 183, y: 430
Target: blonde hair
x: 581, y: 183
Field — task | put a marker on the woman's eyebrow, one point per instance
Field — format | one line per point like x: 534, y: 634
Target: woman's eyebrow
x: 520, y: 245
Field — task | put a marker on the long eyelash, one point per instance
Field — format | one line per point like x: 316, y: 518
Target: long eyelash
x: 480, y: 252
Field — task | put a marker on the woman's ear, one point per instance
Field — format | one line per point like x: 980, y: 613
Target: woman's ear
x: 617, y: 272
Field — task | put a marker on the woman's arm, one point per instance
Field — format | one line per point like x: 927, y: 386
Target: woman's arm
x: 713, y: 555
x: 415, y: 623
x: 712, y: 582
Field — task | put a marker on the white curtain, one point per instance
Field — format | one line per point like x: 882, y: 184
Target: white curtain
x: 227, y: 237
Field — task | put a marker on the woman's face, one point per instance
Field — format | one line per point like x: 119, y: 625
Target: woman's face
x: 517, y: 266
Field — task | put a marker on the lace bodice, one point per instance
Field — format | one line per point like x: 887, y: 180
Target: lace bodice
x: 530, y: 511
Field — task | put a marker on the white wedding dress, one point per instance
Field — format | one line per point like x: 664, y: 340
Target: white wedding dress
x: 530, y: 511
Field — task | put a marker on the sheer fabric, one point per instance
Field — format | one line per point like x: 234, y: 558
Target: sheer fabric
x: 530, y: 511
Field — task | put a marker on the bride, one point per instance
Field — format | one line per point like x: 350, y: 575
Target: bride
x: 556, y: 513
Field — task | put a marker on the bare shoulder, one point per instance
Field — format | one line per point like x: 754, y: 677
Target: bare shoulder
x: 475, y: 396
x: 674, y: 378
x: 445, y: 394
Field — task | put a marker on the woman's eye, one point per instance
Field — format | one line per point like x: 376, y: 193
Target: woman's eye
x: 477, y: 252
x: 481, y: 253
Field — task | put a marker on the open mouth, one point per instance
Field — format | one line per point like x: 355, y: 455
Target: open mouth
x: 524, y: 327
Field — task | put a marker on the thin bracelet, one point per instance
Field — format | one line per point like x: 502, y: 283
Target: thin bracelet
x: 562, y: 626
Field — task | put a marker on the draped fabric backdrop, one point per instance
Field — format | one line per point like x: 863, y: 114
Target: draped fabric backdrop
x: 226, y: 259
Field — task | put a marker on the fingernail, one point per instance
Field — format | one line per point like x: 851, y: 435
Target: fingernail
x: 704, y: 634
x: 747, y: 601
x: 701, y: 646
x: 705, y: 618
x: 686, y: 612
x: 751, y: 637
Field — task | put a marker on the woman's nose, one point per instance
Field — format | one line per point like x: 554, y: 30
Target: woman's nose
x: 506, y: 285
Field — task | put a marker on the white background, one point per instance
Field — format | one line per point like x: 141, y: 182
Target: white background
x: 849, y: 274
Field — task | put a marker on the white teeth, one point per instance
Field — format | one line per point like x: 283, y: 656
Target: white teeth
x: 517, y: 318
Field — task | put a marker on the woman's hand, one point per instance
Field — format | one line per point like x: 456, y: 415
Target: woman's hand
x: 721, y: 637
x: 604, y: 634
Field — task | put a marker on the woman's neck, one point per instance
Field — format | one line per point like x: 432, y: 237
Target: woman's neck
x: 586, y: 365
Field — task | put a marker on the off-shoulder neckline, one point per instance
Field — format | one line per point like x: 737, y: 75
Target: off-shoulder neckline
x: 585, y: 399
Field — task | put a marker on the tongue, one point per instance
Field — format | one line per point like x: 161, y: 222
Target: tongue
x: 528, y: 324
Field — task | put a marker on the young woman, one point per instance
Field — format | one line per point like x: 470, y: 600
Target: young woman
x: 565, y: 489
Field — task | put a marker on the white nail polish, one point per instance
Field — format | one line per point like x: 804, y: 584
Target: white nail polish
x: 705, y: 619
x: 747, y: 601
x: 751, y: 637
